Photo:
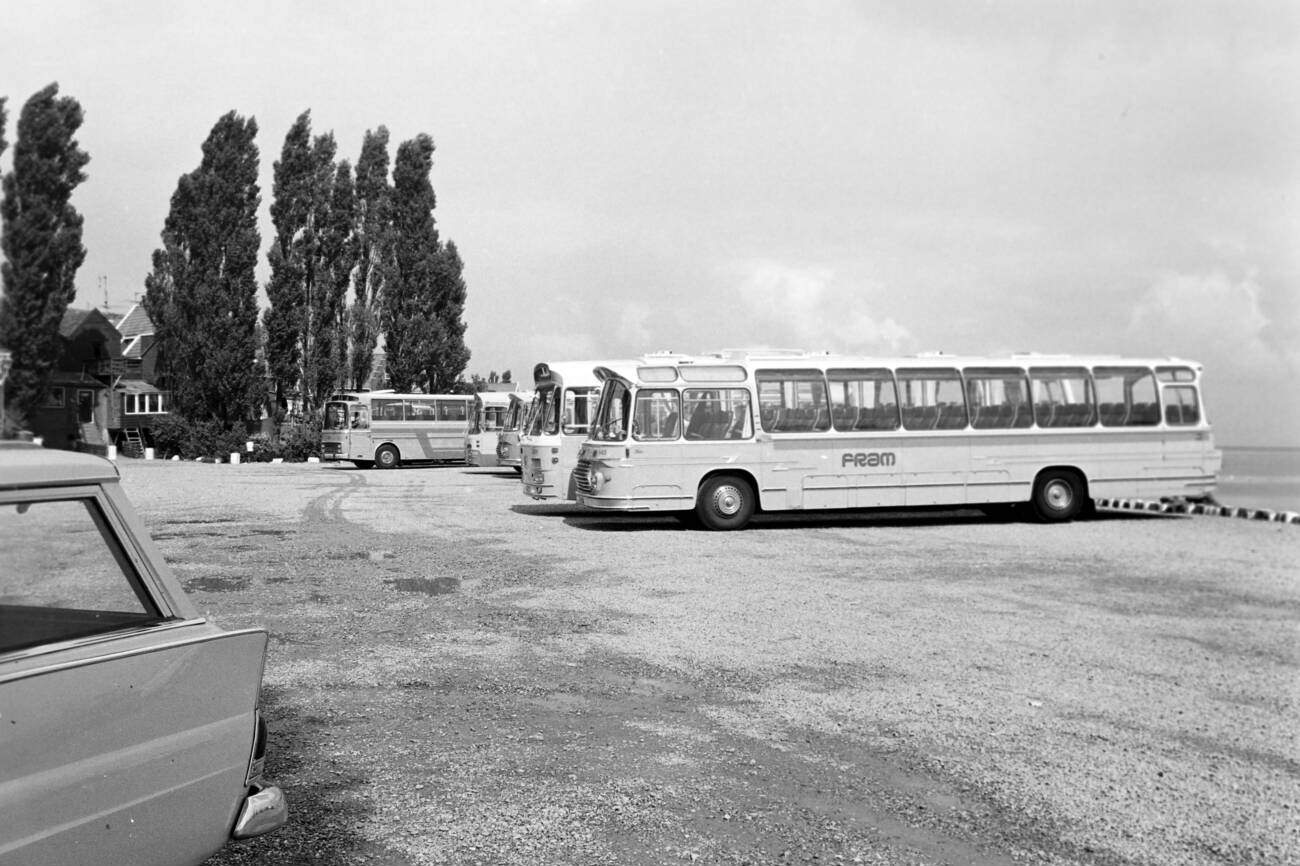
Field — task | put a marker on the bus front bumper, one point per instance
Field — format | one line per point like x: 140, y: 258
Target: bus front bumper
x: 639, y: 503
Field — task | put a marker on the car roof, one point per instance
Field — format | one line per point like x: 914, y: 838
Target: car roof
x: 25, y: 464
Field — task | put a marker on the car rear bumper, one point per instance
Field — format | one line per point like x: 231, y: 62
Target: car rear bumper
x: 264, y: 809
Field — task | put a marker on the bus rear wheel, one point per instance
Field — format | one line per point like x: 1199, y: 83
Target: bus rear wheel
x: 386, y: 457
x: 725, y: 502
x: 1058, y: 496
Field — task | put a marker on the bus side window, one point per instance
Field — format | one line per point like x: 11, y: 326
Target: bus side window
x: 998, y: 398
x: 1063, y: 397
x: 388, y: 410
x: 932, y: 399
x: 1127, y: 396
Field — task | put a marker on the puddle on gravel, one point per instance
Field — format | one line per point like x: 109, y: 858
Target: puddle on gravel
x: 216, y: 584
x: 428, y: 586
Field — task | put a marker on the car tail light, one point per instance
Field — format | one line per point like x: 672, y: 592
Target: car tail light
x: 257, y: 761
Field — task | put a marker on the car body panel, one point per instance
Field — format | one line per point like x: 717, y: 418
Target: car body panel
x: 126, y: 735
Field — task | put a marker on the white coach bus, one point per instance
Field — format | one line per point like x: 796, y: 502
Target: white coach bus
x: 387, y: 429
x: 516, y: 420
x: 732, y: 433
x: 566, y: 399
x: 486, y: 420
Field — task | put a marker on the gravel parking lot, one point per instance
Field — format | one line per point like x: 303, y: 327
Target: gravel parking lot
x: 460, y: 675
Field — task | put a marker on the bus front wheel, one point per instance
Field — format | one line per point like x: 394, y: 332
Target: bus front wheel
x: 1058, y: 496
x: 725, y: 502
x: 387, y: 457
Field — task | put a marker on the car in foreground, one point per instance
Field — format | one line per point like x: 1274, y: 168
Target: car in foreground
x: 130, y: 729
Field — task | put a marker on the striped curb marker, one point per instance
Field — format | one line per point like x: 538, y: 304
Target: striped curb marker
x: 1264, y: 514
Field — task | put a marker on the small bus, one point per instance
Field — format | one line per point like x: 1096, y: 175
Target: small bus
x: 566, y: 399
x: 722, y: 436
x: 487, y: 417
x: 517, y: 417
x: 388, y: 429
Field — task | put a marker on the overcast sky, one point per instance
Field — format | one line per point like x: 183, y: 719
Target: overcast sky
x: 622, y: 177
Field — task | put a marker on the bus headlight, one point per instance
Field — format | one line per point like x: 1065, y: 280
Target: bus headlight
x: 597, y: 481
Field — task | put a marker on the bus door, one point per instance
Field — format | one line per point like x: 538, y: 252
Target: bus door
x: 356, y: 435
x: 655, y: 444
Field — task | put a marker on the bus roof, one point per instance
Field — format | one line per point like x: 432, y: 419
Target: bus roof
x: 726, y: 365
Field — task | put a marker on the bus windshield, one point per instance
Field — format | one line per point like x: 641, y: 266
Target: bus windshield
x: 543, y: 418
x: 611, y: 413
x: 336, y: 416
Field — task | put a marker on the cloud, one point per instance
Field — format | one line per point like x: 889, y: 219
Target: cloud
x: 1224, y: 323
x: 1224, y: 318
x: 809, y: 308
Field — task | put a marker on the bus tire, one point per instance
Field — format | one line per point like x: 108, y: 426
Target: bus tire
x: 724, y: 502
x: 1058, y: 496
x: 386, y: 457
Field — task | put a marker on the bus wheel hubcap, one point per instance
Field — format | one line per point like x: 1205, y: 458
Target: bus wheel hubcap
x: 1059, y: 496
x: 727, y: 500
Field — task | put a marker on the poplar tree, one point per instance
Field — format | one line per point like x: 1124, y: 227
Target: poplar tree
x: 425, y: 295
x: 447, y: 356
x: 407, y: 316
x: 202, y: 293
x: 305, y: 259
x: 372, y: 239
x: 338, y: 256
x: 40, y: 240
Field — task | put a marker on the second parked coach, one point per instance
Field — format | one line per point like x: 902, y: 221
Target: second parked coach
x: 729, y: 434
x: 387, y: 429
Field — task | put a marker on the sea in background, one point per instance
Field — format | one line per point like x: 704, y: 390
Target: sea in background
x: 1260, y: 478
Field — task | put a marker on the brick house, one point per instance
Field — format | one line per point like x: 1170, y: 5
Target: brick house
x: 76, y: 411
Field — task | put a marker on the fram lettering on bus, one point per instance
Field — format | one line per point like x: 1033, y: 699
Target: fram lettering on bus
x: 867, y: 458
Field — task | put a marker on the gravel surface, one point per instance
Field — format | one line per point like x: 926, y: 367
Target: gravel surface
x: 460, y: 675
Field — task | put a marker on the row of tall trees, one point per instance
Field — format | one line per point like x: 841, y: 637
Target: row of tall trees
x: 356, y: 257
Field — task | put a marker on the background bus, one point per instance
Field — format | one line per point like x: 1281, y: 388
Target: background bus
x: 387, y: 429
x: 566, y: 399
x: 486, y: 419
x: 517, y: 417
x: 729, y: 434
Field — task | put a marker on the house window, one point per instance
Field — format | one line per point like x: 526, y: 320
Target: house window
x: 144, y: 404
x: 54, y: 399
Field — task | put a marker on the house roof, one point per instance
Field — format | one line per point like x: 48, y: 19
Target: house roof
x: 74, y: 320
x: 135, y: 323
